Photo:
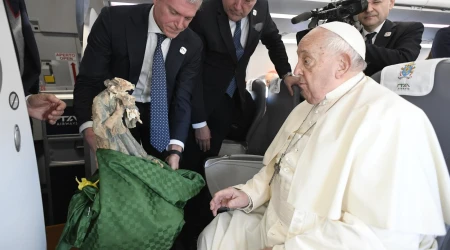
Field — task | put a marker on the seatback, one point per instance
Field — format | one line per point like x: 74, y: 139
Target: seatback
x: 433, y: 104
x: 258, y: 93
x: 278, y: 107
x: 229, y: 170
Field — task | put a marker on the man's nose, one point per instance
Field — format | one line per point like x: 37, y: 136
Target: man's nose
x: 298, y: 71
x: 369, y: 7
x: 238, y: 4
x: 181, y: 23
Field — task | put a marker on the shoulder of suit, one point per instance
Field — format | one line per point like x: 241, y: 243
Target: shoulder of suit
x: 412, y: 25
x: 191, y: 37
x: 261, y: 5
x: 443, y: 32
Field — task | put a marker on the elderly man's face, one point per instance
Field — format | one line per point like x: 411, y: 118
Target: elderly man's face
x: 376, y: 13
x: 174, y: 16
x: 238, y: 9
x: 316, y: 66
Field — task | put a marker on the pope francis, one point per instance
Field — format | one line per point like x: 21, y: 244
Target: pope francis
x: 355, y: 166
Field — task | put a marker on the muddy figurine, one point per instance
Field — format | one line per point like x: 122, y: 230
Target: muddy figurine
x: 110, y: 126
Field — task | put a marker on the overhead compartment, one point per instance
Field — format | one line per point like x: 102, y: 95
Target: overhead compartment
x: 439, y: 4
x: 411, y: 2
x: 444, y: 4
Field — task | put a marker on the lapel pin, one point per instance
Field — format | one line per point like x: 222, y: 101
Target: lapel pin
x: 183, y: 50
x: 387, y: 34
x: 255, y: 12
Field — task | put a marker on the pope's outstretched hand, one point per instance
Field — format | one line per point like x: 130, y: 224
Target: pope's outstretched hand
x: 230, y: 198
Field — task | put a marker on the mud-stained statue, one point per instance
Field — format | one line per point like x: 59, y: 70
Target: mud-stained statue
x: 108, y: 109
x: 144, y: 196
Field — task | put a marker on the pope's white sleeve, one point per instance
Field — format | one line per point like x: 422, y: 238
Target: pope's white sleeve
x: 258, y: 188
x: 350, y: 233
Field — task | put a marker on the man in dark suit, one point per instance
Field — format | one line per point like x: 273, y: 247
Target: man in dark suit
x: 441, y: 44
x: 40, y: 106
x: 388, y: 43
x: 150, y: 46
x: 230, y: 30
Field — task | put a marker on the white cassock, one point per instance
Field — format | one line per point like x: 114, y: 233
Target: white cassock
x: 369, y: 174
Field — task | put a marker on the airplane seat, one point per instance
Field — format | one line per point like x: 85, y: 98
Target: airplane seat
x: 278, y: 107
x: 258, y: 93
x: 430, y: 97
x: 229, y: 170
x: 376, y: 77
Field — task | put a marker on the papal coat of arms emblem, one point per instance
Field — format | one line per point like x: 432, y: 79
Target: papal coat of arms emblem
x: 407, y: 71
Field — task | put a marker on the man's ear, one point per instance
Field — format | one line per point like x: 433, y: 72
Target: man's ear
x: 391, y: 4
x: 344, y: 65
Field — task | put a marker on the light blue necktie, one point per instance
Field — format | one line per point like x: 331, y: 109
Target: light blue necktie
x: 159, y: 124
x: 239, y: 52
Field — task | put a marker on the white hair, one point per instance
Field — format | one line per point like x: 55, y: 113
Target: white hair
x: 338, y: 45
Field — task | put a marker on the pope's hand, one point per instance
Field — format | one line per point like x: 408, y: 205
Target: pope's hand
x: 230, y: 198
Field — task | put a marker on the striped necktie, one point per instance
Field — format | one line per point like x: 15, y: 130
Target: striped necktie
x: 239, y: 52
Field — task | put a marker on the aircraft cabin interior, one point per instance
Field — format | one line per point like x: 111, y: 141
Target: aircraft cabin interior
x: 43, y: 164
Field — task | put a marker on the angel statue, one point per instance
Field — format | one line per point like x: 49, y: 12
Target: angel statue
x: 107, y: 112
x: 134, y: 200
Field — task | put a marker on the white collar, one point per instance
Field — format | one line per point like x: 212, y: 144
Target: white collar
x: 365, y: 32
x: 343, y: 88
x: 152, y: 26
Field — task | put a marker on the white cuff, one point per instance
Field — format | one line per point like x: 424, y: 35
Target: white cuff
x: 176, y: 142
x: 198, y: 125
x: 247, y: 209
x: 26, y: 99
x: 85, y: 126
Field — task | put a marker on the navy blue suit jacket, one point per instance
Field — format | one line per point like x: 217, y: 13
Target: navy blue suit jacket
x: 32, y: 61
x: 116, y: 48
x: 220, y: 63
x: 441, y: 44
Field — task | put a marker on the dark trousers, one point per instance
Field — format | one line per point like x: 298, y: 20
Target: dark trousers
x: 197, y: 212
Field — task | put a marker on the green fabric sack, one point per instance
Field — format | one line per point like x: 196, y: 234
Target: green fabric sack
x: 138, y: 205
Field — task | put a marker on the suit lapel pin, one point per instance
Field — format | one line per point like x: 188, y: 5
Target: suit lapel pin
x: 255, y: 12
x: 183, y: 50
x: 387, y: 34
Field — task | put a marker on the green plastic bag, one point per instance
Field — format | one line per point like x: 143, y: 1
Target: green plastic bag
x: 138, y: 205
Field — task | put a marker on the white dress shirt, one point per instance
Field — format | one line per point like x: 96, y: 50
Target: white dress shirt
x: 244, y: 36
x: 365, y: 32
x: 142, y: 89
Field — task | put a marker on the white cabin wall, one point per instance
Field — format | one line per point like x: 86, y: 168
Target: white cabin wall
x: 260, y: 63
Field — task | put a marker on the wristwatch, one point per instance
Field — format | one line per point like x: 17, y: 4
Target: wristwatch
x: 174, y: 152
x: 287, y: 74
